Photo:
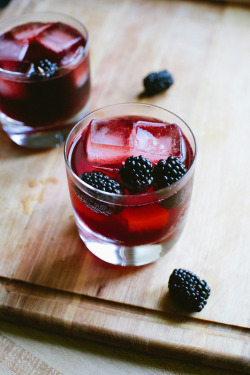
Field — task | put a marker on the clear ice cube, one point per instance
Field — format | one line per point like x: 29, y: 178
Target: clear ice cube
x: 70, y: 60
x: 13, y: 89
x: 28, y: 31
x: 59, y: 38
x: 11, y: 49
x: 158, y: 140
x: 110, y: 142
x: 15, y: 66
x: 72, y: 56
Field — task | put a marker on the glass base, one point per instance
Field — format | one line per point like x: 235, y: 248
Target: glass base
x: 40, y: 138
x: 123, y: 255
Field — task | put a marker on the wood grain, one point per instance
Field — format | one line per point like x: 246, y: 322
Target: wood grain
x: 49, y: 279
x: 16, y: 360
x: 128, y: 326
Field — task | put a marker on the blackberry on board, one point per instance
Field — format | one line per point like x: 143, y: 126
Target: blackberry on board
x: 102, y: 182
x: 137, y: 174
x: 45, y: 68
x: 187, y: 290
x: 166, y: 172
x: 157, y: 82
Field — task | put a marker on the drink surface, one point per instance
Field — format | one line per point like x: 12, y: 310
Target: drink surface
x: 32, y: 95
x: 104, y: 146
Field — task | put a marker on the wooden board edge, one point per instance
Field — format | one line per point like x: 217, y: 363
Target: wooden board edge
x: 125, y: 326
x: 228, y: 2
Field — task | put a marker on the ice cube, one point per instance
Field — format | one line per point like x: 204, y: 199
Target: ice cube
x: 29, y: 30
x: 158, y: 140
x: 59, y: 38
x: 110, y: 142
x: 13, y: 89
x: 11, y: 49
x: 80, y: 73
x: 15, y: 66
x: 72, y: 56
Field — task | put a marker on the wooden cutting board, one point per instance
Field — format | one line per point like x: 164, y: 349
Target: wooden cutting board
x: 48, y: 279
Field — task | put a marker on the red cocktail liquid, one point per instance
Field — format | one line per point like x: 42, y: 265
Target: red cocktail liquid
x: 103, y: 146
x: 36, y: 99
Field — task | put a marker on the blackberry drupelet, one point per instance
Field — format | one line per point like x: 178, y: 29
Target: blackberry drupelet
x: 188, y: 290
x: 45, y: 67
x: 103, y: 182
x: 166, y: 172
x: 137, y: 174
x: 154, y: 83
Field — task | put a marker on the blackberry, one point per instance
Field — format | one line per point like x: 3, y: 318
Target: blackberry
x: 3, y: 3
x: 44, y: 67
x: 102, y: 182
x: 174, y: 200
x: 137, y: 174
x: 188, y: 290
x: 166, y: 172
x: 154, y: 83
x: 182, y: 196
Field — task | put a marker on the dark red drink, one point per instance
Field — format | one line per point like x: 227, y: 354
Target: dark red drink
x: 129, y: 220
x: 44, y: 79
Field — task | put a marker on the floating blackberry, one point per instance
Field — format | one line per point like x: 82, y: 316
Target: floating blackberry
x: 188, y: 290
x: 174, y: 200
x: 137, y: 174
x: 166, y: 172
x: 102, y: 182
x: 154, y: 83
x: 45, y: 67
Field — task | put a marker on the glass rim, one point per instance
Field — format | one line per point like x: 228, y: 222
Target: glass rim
x: 20, y: 17
x: 156, y: 193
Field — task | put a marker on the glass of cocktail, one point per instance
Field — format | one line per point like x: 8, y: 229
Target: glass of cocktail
x: 44, y: 78
x: 130, y: 171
